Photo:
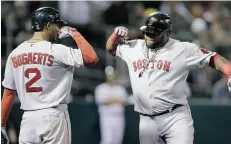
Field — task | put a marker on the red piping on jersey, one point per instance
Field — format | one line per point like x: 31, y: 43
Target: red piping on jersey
x: 68, y: 135
x: 89, y: 54
x: 7, y: 103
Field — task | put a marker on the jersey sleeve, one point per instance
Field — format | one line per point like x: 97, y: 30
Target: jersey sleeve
x: 67, y: 55
x: 123, y: 50
x: 9, y: 79
x: 120, y: 51
x: 197, y: 57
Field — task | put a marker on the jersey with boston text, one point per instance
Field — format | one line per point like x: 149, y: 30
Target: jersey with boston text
x: 163, y: 82
x: 42, y: 73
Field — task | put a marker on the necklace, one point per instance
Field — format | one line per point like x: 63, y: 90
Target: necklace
x: 149, y: 61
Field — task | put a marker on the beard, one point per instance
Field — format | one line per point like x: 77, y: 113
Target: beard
x: 154, y: 44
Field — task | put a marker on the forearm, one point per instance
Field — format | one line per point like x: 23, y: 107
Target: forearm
x: 7, y: 103
x: 89, y: 54
x: 112, y: 44
x: 221, y: 64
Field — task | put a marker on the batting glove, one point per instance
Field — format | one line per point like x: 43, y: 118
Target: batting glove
x: 66, y: 31
x: 229, y: 84
x: 4, y: 136
x: 121, y: 31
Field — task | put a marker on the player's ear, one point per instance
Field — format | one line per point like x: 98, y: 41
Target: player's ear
x: 48, y: 25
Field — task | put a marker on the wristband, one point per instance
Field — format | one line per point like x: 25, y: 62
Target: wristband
x: 114, y: 39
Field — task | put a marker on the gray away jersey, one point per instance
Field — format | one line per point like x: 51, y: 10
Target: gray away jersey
x: 41, y: 73
x: 163, y: 83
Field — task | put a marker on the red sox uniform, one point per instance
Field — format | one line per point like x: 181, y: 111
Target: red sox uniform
x: 158, y: 79
x: 42, y: 74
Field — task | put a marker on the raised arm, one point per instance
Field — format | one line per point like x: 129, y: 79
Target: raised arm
x: 115, y: 38
x: 89, y: 54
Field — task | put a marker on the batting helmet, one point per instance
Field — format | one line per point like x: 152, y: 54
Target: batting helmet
x: 44, y: 15
x: 157, y: 22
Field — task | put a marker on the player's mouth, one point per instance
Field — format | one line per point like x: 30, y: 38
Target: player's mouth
x: 150, y: 40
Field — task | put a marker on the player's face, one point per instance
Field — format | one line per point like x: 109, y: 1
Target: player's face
x: 154, y: 40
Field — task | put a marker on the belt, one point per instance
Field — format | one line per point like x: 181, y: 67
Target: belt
x: 165, y: 112
x: 60, y: 106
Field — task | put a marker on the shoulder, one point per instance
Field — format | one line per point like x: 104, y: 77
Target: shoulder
x: 18, y: 48
x: 182, y: 44
x: 54, y: 45
x: 189, y: 45
x: 60, y: 48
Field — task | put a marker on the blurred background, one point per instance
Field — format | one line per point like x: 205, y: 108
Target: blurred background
x: 207, y: 24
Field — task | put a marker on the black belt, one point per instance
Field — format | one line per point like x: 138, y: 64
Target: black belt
x: 165, y: 112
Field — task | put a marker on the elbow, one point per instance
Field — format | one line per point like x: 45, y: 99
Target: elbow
x: 95, y: 60
x: 92, y: 60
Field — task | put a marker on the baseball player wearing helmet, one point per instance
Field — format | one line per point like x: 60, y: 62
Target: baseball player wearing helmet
x: 41, y: 73
x: 158, y: 68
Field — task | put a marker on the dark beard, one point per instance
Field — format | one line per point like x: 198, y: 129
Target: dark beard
x: 158, y: 44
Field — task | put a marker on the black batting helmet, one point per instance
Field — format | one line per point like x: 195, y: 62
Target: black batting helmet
x: 44, y: 15
x: 157, y: 22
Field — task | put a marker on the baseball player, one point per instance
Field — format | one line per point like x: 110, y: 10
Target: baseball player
x: 41, y: 73
x: 111, y: 99
x: 158, y: 67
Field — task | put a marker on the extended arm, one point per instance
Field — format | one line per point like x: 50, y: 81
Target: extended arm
x: 221, y: 64
x: 89, y: 54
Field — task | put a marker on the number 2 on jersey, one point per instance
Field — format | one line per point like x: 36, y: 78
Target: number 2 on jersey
x: 32, y: 80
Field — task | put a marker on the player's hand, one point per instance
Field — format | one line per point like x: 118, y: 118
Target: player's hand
x: 4, y: 136
x: 121, y: 31
x: 229, y: 84
x: 66, y: 31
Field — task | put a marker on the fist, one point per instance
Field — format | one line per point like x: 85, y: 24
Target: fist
x: 65, y: 32
x: 121, y: 31
x: 229, y: 84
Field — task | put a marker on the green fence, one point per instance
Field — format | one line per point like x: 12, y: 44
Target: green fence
x: 212, y: 123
